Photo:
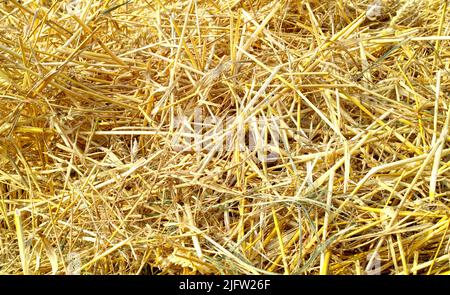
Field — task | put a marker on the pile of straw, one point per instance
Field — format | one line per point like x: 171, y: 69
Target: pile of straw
x: 91, y: 182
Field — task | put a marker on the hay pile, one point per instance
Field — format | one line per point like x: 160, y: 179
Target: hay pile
x: 92, y: 183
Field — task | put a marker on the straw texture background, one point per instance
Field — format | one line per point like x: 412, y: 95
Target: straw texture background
x: 90, y: 182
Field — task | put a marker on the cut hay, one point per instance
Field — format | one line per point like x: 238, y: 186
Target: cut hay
x: 126, y: 127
